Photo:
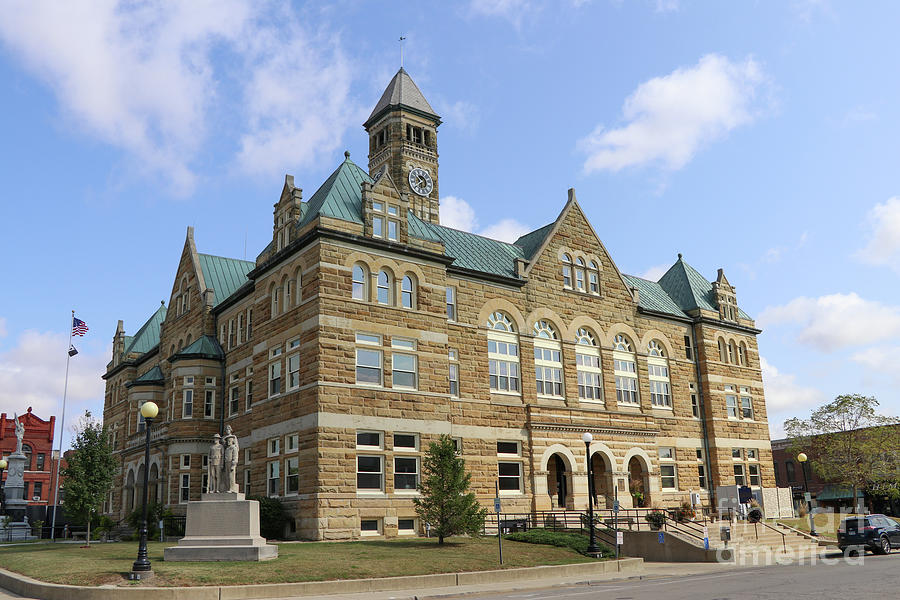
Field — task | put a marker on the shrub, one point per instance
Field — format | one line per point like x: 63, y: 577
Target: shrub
x: 562, y: 539
x: 272, y: 517
x: 685, y: 512
x: 105, y: 525
x: 155, y: 512
x: 656, y: 518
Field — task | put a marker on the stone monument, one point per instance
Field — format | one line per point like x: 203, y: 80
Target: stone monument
x: 15, y: 479
x: 223, y: 525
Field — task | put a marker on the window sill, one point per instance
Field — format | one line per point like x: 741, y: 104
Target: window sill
x: 502, y: 393
x: 414, y: 493
x: 511, y: 493
x: 550, y: 397
x: 369, y: 493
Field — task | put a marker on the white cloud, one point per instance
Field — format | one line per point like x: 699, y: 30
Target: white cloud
x: 141, y: 77
x: 32, y: 373
x: 511, y: 10
x: 461, y: 115
x: 785, y: 397
x: 883, y: 247
x: 835, y: 321
x: 880, y: 360
x: 669, y: 119
x: 3, y: 330
x: 667, y: 5
x: 655, y: 272
x: 459, y: 214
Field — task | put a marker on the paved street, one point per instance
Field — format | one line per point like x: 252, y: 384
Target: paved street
x: 878, y: 577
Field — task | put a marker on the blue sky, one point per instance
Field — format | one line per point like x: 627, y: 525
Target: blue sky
x: 755, y: 136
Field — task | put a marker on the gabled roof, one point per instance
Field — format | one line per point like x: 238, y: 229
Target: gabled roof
x: 652, y: 296
x: 469, y: 251
x: 206, y: 346
x: 689, y: 289
x: 340, y: 196
x: 402, y: 91
x: 224, y: 275
x: 530, y: 243
x: 152, y: 377
x: 147, y: 336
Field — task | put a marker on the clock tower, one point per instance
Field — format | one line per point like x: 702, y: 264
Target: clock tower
x: 403, y: 139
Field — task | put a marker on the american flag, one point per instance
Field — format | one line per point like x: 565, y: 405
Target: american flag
x: 79, y: 327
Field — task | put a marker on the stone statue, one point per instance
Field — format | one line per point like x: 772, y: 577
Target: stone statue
x: 231, y: 461
x: 216, y: 454
x: 20, y: 433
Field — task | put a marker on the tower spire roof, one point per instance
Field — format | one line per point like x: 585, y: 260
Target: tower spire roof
x: 402, y: 91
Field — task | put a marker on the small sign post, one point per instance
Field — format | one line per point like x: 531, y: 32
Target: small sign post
x: 616, y: 519
x: 497, y: 510
x: 661, y: 538
x: 706, y: 537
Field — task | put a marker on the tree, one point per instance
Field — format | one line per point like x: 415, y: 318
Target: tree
x: 445, y: 501
x: 90, y: 471
x: 849, y: 443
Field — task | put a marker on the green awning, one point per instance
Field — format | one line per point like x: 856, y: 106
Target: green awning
x: 832, y: 492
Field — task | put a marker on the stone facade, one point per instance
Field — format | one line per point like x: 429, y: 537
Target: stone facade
x: 361, y: 334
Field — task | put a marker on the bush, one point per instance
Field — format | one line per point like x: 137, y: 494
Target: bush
x: 563, y: 539
x: 656, y: 518
x: 685, y: 512
x: 105, y: 525
x: 155, y: 513
x: 272, y: 517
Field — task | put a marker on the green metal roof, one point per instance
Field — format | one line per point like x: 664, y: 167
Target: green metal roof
x: 224, y: 275
x: 468, y: 250
x: 340, y: 196
x: 530, y: 243
x: 689, y: 289
x: 154, y: 375
x: 147, y: 336
x: 652, y: 296
x: 205, y: 347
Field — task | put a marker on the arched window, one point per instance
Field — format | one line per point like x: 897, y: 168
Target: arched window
x: 276, y: 299
x: 790, y: 472
x: 408, y: 292
x: 731, y: 353
x: 579, y: 274
x: 290, y: 288
x: 742, y: 354
x: 503, y: 354
x: 593, y: 278
x: 360, y: 282
x: 722, y: 357
x: 567, y: 270
x: 587, y: 361
x: 658, y: 369
x: 547, y: 360
x: 298, y: 289
x: 625, y: 370
x: 384, y: 288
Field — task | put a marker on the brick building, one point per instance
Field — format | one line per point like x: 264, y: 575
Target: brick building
x: 365, y: 329
x: 37, y: 446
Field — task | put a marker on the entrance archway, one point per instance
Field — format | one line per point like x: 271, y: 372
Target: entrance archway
x: 602, y: 473
x: 153, y: 492
x: 638, y: 482
x: 559, y: 484
x: 129, y: 492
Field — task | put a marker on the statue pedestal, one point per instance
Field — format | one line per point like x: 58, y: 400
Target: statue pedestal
x: 222, y: 527
x: 14, y: 488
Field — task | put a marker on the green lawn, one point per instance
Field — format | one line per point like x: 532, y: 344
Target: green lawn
x: 826, y: 523
x: 306, y: 561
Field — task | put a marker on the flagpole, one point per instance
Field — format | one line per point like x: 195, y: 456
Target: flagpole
x: 62, y: 423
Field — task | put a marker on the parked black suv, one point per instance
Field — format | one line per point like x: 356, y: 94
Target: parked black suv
x: 877, y: 533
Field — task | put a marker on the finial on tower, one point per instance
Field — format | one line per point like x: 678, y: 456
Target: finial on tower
x: 401, y: 50
x: 347, y: 154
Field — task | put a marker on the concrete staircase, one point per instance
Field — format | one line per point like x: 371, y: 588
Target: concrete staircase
x: 765, y: 545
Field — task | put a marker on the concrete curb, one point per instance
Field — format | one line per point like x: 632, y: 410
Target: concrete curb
x: 32, y: 588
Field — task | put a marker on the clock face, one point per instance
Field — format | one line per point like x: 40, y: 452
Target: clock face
x: 420, y: 181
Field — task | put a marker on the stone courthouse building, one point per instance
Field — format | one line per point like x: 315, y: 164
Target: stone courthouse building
x: 366, y: 329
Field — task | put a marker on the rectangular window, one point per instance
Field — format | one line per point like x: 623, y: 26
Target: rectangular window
x: 451, y: 303
x: 292, y: 476
x: 660, y: 394
x: 38, y: 489
x: 232, y: 340
x: 273, y: 469
x: 369, y: 473
x: 204, y: 483
x: 454, y: 374
x: 739, y: 475
x: 209, y: 404
x: 188, y: 404
x: 751, y: 454
x: 291, y: 442
x: 731, y: 406
x: 667, y: 477
x: 510, y: 476
x: 688, y: 352
x: 249, y: 398
x: 234, y: 402
x: 403, y: 367
x: 406, y: 526
x: 378, y: 226
x: 240, y: 328
x: 509, y: 448
x: 701, y: 474
x: 140, y: 422
x: 293, y: 371
x: 746, y: 407
x: 695, y: 403
x: 393, y: 227
x: 406, y: 473
x: 666, y: 453
x: 369, y: 527
x: 368, y: 366
x: 293, y: 344
x: 753, y: 472
x: 737, y: 453
x: 368, y: 439
x: 249, y: 323
x: 274, y: 379
x: 503, y: 372
x: 247, y: 482
x: 406, y: 441
x: 548, y: 371
x: 273, y: 448
x: 39, y: 466
x: 185, y: 487
x: 185, y: 461
x: 590, y: 377
x: 626, y: 379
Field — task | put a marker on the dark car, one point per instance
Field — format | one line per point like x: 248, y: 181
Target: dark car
x: 877, y: 533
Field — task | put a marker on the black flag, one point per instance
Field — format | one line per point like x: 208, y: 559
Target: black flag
x: 72, y: 351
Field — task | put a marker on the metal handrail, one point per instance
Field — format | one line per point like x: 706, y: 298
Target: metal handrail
x: 783, y: 536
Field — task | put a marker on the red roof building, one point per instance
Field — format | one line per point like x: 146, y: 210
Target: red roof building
x: 37, y: 445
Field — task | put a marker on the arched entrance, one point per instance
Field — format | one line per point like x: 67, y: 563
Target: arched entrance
x: 602, y: 473
x: 154, y: 484
x: 129, y: 492
x: 139, y: 485
x: 638, y: 482
x: 559, y: 484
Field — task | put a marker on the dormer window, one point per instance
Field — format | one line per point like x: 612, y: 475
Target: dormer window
x: 384, y: 221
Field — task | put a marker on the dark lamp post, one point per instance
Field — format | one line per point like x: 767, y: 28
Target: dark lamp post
x: 149, y: 410
x: 812, y: 524
x: 592, y: 548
